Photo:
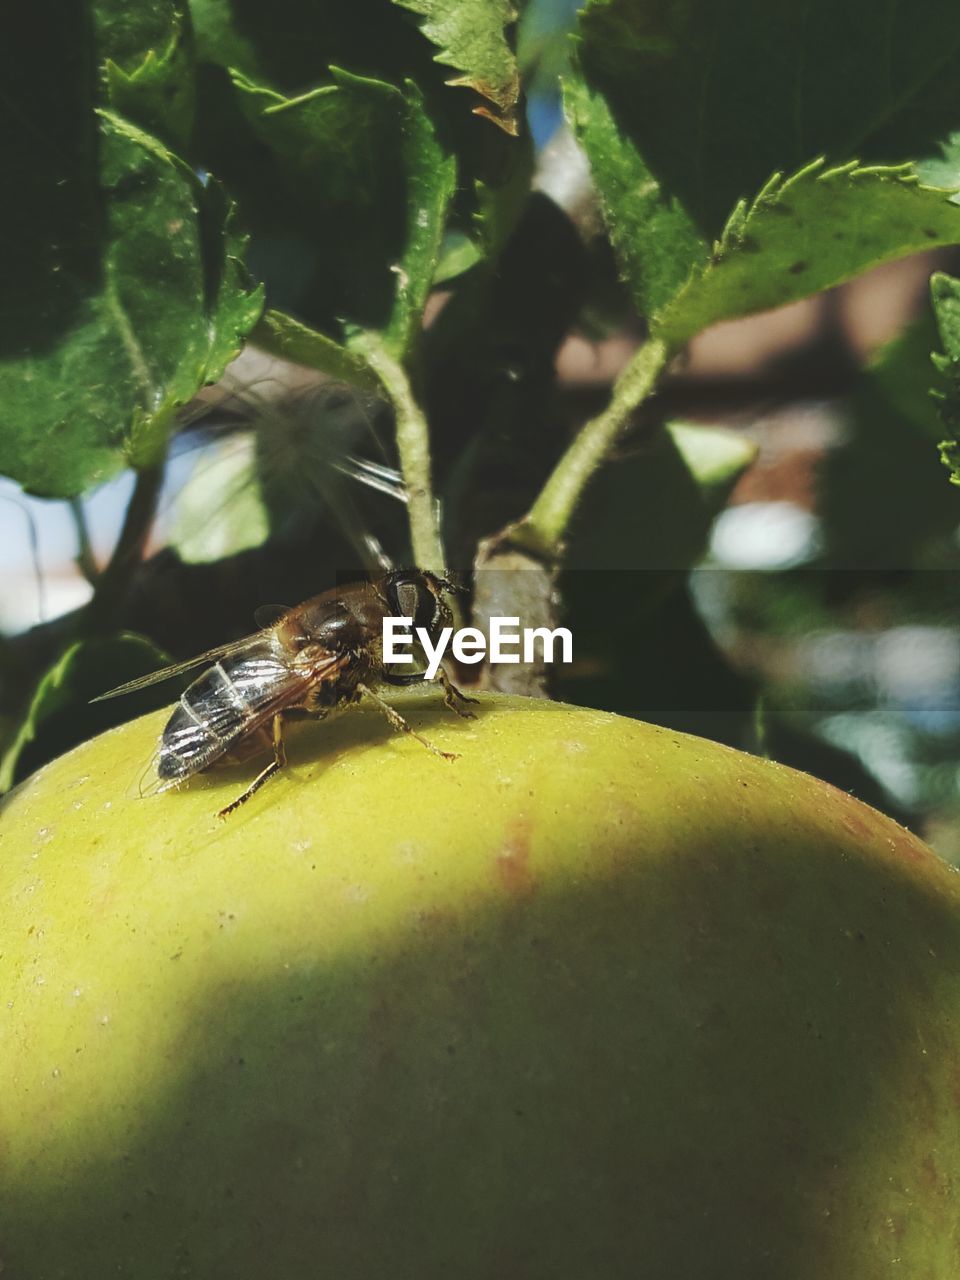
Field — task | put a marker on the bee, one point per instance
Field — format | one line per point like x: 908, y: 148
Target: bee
x: 323, y: 655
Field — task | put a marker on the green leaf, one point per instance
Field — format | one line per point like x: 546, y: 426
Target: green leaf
x: 716, y: 457
x: 146, y: 56
x: 283, y: 336
x: 806, y: 233
x: 470, y: 35
x: 718, y: 96
x: 219, y: 511
x: 881, y: 494
x: 686, y: 108
x: 901, y: 373
x: 656, y: 241
x: 288, y: 48
x: 943, y: 168
x: 945, y: 291
x: 161, y: 308
x: 457, y: 255
x: 375, y: 183
x: 431, y: 180
x: 60, y: 714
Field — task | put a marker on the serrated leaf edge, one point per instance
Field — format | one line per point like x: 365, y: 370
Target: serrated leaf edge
x: 504, y: 101
x: 734, y: 236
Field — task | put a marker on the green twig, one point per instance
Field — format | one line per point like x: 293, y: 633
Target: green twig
x: 413, y: 447
x: 542, y: 529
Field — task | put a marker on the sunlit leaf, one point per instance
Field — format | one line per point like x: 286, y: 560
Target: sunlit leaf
x: 162, y: 306
x: 718, y: 97
x: 431, y: 178
x: 685, y: 110
x: 458, y: 254
x: 942, y: 169
x: 716, y: 457
x: 219, y: 510
x: 806, y: 233
x: 656, y: 240
x: 470, y: 35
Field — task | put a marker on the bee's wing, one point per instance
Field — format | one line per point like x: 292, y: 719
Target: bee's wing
x: 261, y: 686
x: 178, y: 668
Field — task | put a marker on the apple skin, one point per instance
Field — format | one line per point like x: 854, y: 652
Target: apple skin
x: 595, y: 1000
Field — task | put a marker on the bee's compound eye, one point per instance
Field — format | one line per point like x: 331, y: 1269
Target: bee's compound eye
x: 408, y: 600
x: 410, y: 596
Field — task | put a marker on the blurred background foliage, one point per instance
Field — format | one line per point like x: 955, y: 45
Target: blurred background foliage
x: 772, y: 557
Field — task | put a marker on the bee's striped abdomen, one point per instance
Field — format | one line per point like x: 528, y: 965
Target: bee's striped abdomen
x: 216, y: 711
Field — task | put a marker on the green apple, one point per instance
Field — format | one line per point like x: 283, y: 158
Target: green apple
x: 594, y: 1000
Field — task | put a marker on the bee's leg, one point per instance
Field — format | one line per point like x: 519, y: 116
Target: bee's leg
x: 451, y: 694
x: 398, y: 722
x: 275, y: 765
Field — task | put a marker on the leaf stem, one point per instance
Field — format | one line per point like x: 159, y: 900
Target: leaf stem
x: 542, y: 529
x: 86, y: 562
x: 413, y: 447
x: 128, y: 552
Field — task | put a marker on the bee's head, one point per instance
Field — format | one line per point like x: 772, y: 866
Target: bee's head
x: 417, y: 594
